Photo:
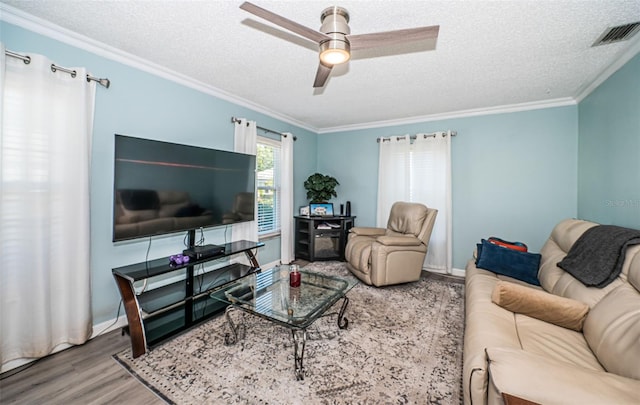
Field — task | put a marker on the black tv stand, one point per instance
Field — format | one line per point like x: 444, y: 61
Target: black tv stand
x: 158, y: 314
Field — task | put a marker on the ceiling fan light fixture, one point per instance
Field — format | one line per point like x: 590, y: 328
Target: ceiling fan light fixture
x: 335, y: 52
x: 335, y: 24
x: 334, y: 37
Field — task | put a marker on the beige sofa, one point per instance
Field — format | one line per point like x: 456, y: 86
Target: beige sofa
x: 511, y: 353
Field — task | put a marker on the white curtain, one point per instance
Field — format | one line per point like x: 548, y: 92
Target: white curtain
x: 45, y: 145
x: 245, y: 140
x: 394, y: 172
x: 286, y: 203
x: 432, y: 186
x: 419, y: 172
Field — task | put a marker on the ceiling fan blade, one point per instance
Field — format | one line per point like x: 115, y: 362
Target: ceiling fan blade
x: 322, y: 75
x: 285, y: 23
x: 366, y: 41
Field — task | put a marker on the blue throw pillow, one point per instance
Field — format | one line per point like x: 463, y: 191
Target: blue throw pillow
x: 508, y: 262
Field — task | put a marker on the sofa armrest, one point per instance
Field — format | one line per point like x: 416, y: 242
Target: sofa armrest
x: 399, y: 240
x: 367, y: 231
x: 539, y: 379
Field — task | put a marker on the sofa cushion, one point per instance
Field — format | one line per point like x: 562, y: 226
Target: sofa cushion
x: 597, y: 257
x: 554, y: 342
x: 633, y: 272
x: 479, y: 313
x: 567, y: 232
x: 557, y: 281
x: 520, y: 265
x: 612, y: 327
x: 547, y: 381
x: 539, y: 304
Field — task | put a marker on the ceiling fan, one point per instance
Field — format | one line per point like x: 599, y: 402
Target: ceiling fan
x: 334, y: 37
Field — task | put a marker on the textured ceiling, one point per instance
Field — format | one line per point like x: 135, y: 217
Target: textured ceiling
x: 488, y: 54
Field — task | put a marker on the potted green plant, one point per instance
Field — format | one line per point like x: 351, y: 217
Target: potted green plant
x: 320, y: 187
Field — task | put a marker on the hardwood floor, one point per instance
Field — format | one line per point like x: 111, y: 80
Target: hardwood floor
x: 84, y: 374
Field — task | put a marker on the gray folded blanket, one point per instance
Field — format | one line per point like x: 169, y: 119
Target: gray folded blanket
x: 596, y: 258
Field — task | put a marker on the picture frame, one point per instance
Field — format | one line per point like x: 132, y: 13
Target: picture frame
x: 304, y: 210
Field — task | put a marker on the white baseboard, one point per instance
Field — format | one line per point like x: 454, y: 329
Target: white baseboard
x: 98, y: 329
x: 454, y: 272
x: 458, y: 272
x: 13, y: 364
x: 108, y: 326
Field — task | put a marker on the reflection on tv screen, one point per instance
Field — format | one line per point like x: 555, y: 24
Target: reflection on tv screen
x: 162, y: 187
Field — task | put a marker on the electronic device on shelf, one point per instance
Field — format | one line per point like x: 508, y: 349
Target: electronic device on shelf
x: 203, y: 252
x: 321, y: 209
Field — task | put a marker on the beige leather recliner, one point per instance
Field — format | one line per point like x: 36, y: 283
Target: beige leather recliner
x: 395, y: 254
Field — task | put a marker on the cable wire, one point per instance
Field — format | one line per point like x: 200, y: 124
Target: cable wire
x: 113, y: 323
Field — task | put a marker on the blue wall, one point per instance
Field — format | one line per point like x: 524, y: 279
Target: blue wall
x: 514, y: 174
x: 609, y: 146
x: 144, y: 105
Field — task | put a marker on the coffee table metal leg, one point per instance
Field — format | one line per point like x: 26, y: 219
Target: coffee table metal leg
x: 342, y: 321
x: 299, y: 340
x: 237, y: 331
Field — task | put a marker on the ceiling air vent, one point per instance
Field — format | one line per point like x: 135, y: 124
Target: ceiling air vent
x: 616, y: 34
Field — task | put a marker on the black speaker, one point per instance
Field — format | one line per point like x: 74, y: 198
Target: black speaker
x: 348, y: 211
x: 341, y: 209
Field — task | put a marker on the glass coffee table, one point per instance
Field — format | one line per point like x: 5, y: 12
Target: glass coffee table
x: 268, y: 295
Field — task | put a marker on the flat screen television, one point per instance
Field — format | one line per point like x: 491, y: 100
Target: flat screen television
x: 161, y: 188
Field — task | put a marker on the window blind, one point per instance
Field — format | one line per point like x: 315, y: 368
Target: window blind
x: 268, y: 188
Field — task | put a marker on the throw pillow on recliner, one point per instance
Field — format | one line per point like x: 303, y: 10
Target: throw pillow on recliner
x: 508, y: 262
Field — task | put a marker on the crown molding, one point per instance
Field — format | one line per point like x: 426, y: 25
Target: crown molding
x: 503, y: 109
x: 38, y: 25
x: 608, y: 71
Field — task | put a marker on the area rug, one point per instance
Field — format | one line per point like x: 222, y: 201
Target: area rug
x: 403, y: 345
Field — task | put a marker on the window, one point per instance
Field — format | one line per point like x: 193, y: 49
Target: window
x: 419, y: 172
x: 268, y: 178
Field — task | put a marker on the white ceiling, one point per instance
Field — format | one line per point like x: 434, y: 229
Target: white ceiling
x: 489, y: 54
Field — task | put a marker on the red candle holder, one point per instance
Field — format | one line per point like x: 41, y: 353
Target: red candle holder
x: 295, y: 277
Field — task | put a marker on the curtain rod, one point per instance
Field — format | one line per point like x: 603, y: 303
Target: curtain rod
x: 237, y: 120
x: 412, y: 137
x: 27, y: 59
